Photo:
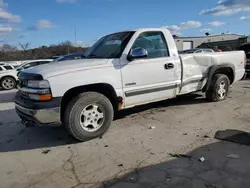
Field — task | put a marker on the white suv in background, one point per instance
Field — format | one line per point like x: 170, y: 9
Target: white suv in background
x: 8, y: 73
x: 7, y: 67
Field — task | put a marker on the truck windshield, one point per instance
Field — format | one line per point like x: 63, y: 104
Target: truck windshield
x: 110, y: 46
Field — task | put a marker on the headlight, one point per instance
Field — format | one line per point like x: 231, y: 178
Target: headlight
x: 38, y: 84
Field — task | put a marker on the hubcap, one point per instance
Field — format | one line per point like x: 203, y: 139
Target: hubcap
x: 8, y: 83
x: 92, y: 118
x: 222, y: 90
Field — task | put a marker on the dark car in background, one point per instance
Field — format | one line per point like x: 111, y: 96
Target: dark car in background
x: 72, y: 56
x: 246, y: 48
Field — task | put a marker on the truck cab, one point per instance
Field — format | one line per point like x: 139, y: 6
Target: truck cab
x: 120, y: 71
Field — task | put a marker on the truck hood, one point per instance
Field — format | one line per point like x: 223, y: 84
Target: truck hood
x: 61, y: 67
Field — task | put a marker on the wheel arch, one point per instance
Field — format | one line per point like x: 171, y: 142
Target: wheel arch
x: 6, y: 76
x: 103, y: 88
x: 226, y: 68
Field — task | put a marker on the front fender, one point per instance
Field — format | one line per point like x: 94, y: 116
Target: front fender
x: 62, y: 83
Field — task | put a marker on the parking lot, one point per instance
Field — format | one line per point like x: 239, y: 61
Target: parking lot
x: 141, y: 149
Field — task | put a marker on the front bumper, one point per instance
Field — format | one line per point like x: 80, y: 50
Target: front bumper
x: 38, y: 113
x: 45, y: 117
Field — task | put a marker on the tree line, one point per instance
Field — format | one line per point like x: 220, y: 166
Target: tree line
x: 23, y: 52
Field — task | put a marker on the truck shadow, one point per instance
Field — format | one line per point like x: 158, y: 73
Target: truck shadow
x: 224, y: 165
x: 16, y: 137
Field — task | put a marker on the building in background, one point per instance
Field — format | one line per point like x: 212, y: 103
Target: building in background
x: 231, y: 40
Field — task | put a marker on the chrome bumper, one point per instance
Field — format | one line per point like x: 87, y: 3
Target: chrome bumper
x: 41, y: 117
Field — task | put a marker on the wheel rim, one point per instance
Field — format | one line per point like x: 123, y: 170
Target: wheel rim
x: 8, y: 83
x: 222, y: 90
x: 92, y: 117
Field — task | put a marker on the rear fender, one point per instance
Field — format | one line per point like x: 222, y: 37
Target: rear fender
x: 216, y: 69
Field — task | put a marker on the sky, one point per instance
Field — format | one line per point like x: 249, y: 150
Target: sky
x: 46, y: 22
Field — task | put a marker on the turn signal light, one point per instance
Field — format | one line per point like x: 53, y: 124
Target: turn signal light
x: 45, y: 97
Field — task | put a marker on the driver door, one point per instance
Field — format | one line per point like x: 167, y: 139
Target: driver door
x: 151, y: 78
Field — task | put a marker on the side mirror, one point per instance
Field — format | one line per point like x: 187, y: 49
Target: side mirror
x: 19, y: 69
x: 138, y: 53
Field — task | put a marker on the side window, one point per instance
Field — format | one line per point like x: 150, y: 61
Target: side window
x: 154, y: 43
x: 1, y: 68
x: 8, y: 67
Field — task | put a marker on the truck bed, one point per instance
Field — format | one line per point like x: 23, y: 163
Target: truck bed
x: 196, y: 68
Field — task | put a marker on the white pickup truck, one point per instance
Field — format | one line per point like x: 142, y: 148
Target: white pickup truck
x: 120, y: 71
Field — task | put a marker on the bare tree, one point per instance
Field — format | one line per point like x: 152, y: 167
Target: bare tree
x: 8, y: 48
x: 8, y: 52
x: 24, y: 47
x: 25, y: 52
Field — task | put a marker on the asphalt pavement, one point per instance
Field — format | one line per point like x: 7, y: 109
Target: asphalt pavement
x: 165, y: 144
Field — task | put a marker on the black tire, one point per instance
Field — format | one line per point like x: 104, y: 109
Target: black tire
x: 73, y: 117
x: 212, y: 94
x: 11, y: 81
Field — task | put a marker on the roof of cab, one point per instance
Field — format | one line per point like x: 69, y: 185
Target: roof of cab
x: 146, y: 29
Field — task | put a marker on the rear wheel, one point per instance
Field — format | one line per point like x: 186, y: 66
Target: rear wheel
x: 8, y: 83
x: 88, y: 116
x: 219, y: 88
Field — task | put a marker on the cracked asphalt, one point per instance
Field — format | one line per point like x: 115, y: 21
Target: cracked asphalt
x: 138, y: 151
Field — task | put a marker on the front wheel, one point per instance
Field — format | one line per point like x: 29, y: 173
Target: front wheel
x: 218, y: 89
x: 88, y: 116
x: 8, y: 83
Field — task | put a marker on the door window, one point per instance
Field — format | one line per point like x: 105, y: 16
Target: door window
x: 154, y: 43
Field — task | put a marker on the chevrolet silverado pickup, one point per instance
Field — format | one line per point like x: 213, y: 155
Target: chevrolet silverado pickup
x: 120, y: 71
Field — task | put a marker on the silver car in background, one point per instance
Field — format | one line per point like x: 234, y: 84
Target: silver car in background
x: 197, y: 50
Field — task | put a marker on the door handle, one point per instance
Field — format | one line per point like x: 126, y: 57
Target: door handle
x: 169, y: 66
